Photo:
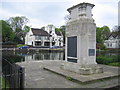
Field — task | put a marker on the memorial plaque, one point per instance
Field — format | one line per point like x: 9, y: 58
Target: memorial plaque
x: 72, y: 46
x: 72, y: 60
x: 91, y: 52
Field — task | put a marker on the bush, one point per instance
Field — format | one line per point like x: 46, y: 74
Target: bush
x: 107, y: 59
x: 20, y: 45
x: 103, y: 47
x: 115, y: 64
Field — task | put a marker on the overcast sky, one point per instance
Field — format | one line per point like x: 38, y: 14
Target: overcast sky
x: 44, y: 12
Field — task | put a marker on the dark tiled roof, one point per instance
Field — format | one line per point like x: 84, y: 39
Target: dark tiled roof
x: 58, y: 33
x: 19, y: 34
x: 114, y: 35
x: 39, y: 32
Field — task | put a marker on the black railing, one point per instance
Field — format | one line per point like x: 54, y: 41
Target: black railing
x: 13, y: 75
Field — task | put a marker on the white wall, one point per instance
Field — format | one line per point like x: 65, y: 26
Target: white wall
x: 29, y: 38
x: 112, y: 43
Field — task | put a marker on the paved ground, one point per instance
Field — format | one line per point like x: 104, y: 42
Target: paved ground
x: 37, y: 77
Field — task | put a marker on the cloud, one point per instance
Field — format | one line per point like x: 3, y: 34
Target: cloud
x: 53, y: 12
x: 106, y: 14
x: 5, y: 14
x: 35, y: 1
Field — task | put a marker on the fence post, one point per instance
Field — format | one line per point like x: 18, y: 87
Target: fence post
x: 22, y: 71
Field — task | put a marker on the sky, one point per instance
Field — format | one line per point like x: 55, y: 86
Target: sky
x: 43, y: 12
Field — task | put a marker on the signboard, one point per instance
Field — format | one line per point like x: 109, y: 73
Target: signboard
x: 91, y: 52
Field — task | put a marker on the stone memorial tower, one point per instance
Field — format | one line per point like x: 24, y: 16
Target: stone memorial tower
x: 81, y: 41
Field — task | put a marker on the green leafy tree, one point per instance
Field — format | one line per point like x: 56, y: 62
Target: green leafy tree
x: 18, y: 24
x: 102, y: 34
x: 43, y: 28
x: 62, y: 30
x: 7, y: 34
x: 26, y: 28
x: 105, y: 32
x: 98, y: 35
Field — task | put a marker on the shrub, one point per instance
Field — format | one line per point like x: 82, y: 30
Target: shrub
x: 103, y: 47
x: 115, y: 64
x: 107, y: 59
x: 20, y: 45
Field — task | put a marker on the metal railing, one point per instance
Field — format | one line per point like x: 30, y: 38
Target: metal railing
x: 13, y: 75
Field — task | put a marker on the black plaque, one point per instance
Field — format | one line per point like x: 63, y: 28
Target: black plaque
x: 72, y: 60
x: 72, y: 46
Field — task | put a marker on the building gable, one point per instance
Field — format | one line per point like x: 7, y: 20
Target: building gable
x: 113, y: 36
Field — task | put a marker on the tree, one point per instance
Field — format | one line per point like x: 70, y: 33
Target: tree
x: 102, y: 34
x: 7, y: 34
x: 62, y: 30
x: 115, y: 29
x: 63, y: 27
x: 18, y: 22
x: 26, y: 28
x: 43, y: 28
x: 105, y: 32
x: 98, y: 35
x: 67, y: 18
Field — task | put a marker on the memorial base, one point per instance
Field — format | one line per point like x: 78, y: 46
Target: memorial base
x: 82, y: 69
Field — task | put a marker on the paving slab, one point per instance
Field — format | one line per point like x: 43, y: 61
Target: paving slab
x: 109, y: 72
x: 37, y: 77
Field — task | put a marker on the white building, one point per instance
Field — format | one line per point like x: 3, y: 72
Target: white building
x: 113, y: 41
x: 47, y: 37
x: 56, y: 37
x: 37, y: 37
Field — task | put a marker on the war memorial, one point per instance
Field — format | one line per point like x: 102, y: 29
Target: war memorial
x: 81, y: 40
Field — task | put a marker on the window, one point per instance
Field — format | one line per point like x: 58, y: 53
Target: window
x: 111, y: 44
x: 82, y: 9
x: 46, y: 38
x: 38, y: 37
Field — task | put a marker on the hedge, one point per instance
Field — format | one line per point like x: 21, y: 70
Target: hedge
x: 107, y: 59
